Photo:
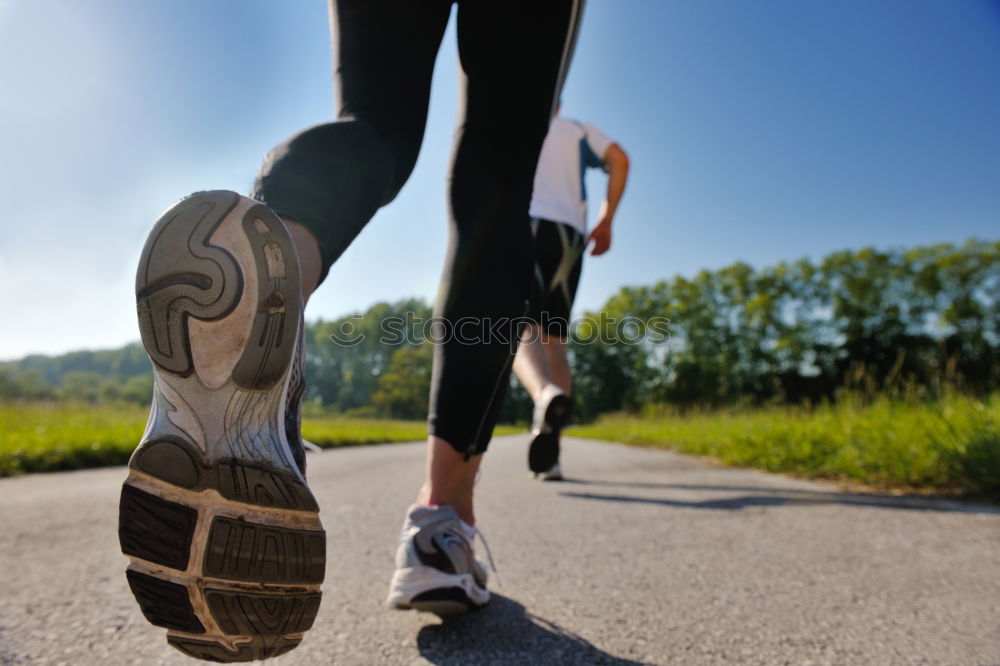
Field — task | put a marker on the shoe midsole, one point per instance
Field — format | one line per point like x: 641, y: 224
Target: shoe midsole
x: 409, y: 582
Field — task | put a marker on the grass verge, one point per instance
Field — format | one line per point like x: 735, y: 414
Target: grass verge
x: 333, y: 431
x: 951, y: 445
x: 46, y: 437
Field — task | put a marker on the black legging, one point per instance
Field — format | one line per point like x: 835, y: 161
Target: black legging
x: 333, y: 177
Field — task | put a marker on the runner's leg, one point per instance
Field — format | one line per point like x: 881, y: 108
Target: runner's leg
x: 555, y: 254
x: 531, y: 364
x: 512, y: 56
x: 330, y: 179
x: 558, y: 260
x: 562, y: 376
x: 559, y: 252
x: 327, y: 181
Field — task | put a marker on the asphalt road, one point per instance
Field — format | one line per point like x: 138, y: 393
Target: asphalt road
x: 642, y: 557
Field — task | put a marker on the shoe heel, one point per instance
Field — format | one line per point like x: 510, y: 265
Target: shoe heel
x: 190, y: 271
x: 558, y: 411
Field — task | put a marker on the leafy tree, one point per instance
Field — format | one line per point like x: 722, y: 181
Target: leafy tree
x: 403, y: 388
x: 80, y: 385
x: 345, y: 357
x: 868, y: 319
x: 859, y: 319
x: 137, y: 389
x: 27, y: 385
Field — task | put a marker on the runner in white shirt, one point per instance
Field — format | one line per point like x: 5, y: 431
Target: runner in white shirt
x: 559, y: 222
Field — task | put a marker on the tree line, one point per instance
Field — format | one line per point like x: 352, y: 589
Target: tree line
x: 921, y: 319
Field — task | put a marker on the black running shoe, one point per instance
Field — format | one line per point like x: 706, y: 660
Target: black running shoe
x: 551, y: 414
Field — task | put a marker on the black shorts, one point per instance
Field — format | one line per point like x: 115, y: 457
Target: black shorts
x: 558, y: 262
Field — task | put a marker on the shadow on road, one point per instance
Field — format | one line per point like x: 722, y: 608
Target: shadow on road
x: 775, y: 497
x: 505, y: 633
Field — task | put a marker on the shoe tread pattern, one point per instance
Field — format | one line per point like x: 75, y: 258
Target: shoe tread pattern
x: 273, y: 622
x: 258, y: 648
x: 240, y: 550
x: 164, y: 604
x: 274, y: 331
x: 265, y: 615
x: 154, y: 529
x: 263, y: 487
x: 181, y: 275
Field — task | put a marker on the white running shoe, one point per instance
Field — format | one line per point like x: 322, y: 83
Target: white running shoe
x: 225, y: 547
x: 553, y: 474
x: 436, y: 568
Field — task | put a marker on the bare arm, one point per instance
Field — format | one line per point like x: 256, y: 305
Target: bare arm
x: 616, y: 162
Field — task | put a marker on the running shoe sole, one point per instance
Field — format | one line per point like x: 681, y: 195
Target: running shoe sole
x: 543, y: 453
x: 430, y: 591
x: 225, y: 544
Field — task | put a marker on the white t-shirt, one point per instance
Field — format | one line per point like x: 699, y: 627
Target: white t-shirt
x: 560, y: 193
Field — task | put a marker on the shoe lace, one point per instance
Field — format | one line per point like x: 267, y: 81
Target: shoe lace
x: 489, y: 555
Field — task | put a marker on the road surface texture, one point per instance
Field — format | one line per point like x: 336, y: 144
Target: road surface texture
x: 643, y: 557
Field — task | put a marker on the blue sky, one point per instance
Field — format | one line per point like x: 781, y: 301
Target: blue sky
x: 760, y: 132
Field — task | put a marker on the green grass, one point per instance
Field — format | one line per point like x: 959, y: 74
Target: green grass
x: 350, y: 431
x: 950, y: 445
x: 46, y: 437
